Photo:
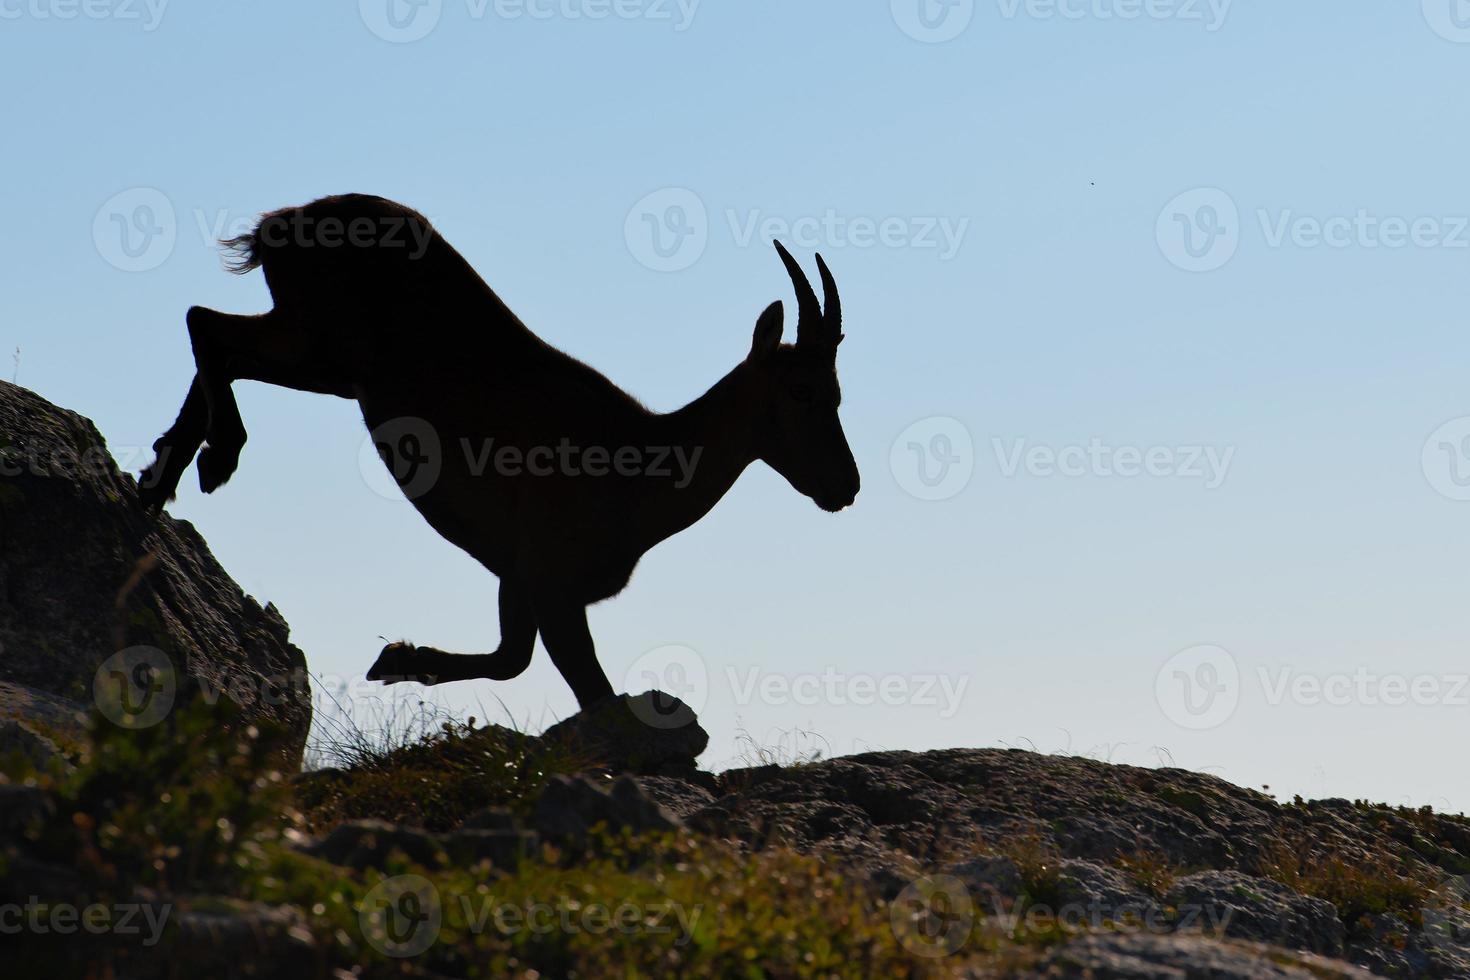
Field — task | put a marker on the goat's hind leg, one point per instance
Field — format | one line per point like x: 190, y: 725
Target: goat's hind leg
x: 563, y: 626
x: 405, y: 662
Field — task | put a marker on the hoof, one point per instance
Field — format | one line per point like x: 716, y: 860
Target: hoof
x: 396, y: 664
x: 152, y: 494
x: 216, y: 465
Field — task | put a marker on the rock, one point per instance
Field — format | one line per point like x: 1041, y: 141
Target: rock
x: 88, y: 579
x: 1101, y: 894
x: 502, y: 848
x: 25, y: 878
x: 23, y: 808
x: 41, y: 726
x: 491, y: 818
x: 1256, y: 908
x: 18, y: 738
x: 229, y: 939
x: 988, y: 875
x: 928, y: 805
x: 892, y: 817
x: 363, y: 844
x: 651, y: 733
x: 570, y: 806
x: 1142, y: 956
x: 679, y: 796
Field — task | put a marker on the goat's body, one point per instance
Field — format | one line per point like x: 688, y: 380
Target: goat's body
x: 397, y: 320
x: 504, y: 389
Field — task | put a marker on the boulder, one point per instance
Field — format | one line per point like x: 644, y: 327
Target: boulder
x: 362, y: 844
x: 569, y: 807
x: 104, y: 605
x: 40, y: 726
x: 648, y: 734
x: 1263, y: 910
x: 1141, y: 956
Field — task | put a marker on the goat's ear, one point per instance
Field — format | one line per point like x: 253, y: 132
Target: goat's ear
x: 768, y: 332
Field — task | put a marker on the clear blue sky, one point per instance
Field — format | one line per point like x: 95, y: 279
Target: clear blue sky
x: 1053, y: 141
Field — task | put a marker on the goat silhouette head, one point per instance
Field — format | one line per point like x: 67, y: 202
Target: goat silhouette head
x: 798, y: 434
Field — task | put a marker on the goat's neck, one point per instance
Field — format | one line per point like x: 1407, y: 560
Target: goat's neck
x: 715, y: 435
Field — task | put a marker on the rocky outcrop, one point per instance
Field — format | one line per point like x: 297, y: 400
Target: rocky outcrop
x: 1143, y: 957
x: 104, y: 605
x: 1157, y: 853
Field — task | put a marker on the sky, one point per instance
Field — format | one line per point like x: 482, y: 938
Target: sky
x: 1157, y: 369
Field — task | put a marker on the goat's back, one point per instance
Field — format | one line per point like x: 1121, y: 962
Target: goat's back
x: 355, y: 249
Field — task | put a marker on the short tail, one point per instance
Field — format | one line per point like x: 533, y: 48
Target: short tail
x: 242, y: 253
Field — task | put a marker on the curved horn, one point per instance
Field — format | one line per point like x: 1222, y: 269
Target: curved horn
x: 832, y: 318
x: 809, y: 307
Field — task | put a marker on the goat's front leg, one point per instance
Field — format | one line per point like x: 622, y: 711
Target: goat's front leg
x: 405, y: 662
x: 225, y: 433
x: 271, y: 348
x: 174, y: 451
x: 209, y: 412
